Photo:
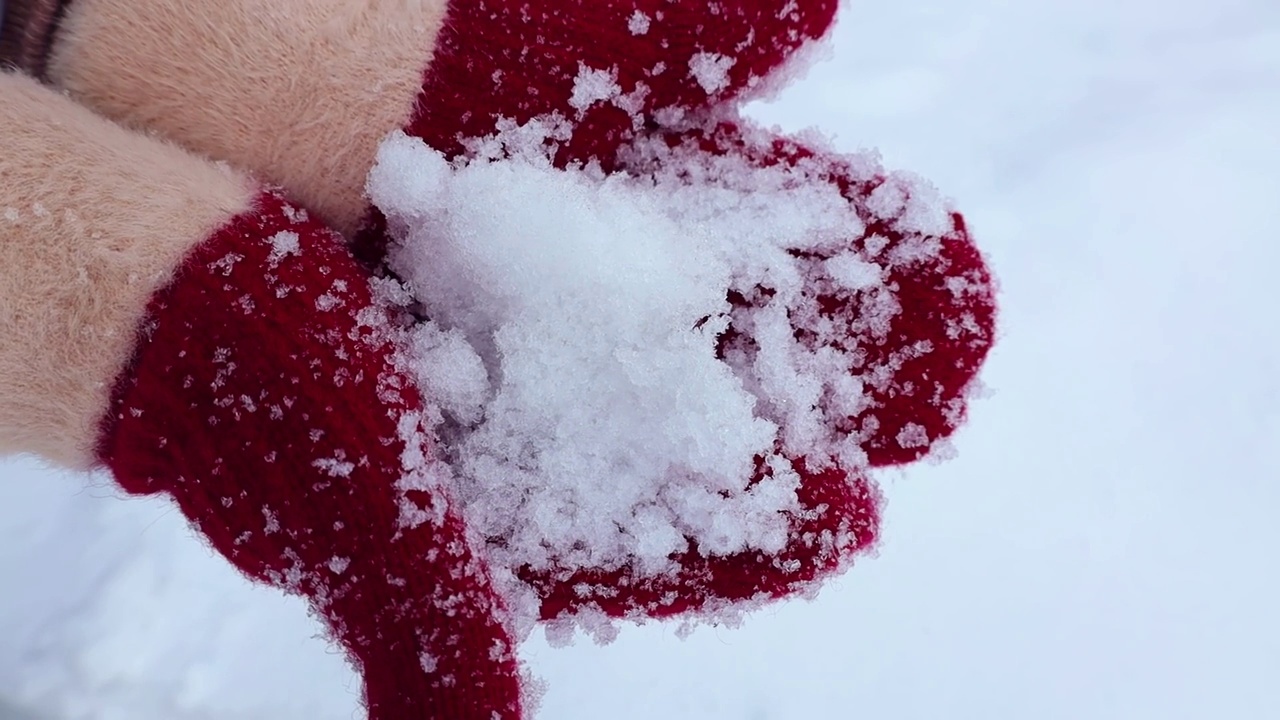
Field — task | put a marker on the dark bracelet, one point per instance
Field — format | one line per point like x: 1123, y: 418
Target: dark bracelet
x: 27, y: 29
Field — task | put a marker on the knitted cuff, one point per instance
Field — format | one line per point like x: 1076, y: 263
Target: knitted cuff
x: 26, y: 33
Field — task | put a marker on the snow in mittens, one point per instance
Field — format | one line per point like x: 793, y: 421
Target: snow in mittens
x: 587, y: 405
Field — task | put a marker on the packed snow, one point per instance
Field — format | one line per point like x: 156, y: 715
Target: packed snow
x: 1099, y: 547
x: 573, y: 333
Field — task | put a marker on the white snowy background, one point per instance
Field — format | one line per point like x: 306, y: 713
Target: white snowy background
x: 1103, y: 547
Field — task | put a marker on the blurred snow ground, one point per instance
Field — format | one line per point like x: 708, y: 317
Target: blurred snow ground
x: 1104, y: 545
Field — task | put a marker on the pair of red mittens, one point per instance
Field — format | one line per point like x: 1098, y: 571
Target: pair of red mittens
x: 301, y: 94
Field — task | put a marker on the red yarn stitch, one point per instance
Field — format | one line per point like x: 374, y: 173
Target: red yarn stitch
x: 262, y: 397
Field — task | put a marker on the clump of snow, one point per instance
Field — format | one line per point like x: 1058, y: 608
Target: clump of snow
x: 283, y: 244
x: 425, y: 474
x: 458, y: 381
x: 272, y: 522
x: 337, y: 467
x: 610, y: 357
x: 639, y: 23
x: 295, y: 214
x: 592, y: 86
x: 573, y: 349
x: 852, y: 272
x: 711, y: 70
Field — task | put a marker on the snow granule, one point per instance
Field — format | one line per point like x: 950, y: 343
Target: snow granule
x: 327, y: 302
x: 592, y: 410
x: 794, y: 68
x: 283, y: 244
x: 711, y: 70
x: 226, y: 263
x: 294, y: 214
x: 593, y: 86
x: 336, y: 467
x: 423, y: 472
x: 271, y: 523
x: 639, y: 23
x: 913, y: 435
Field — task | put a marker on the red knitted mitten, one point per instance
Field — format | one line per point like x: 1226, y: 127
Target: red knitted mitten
x: 264, y: 397
x: 607, y: 67
x: 617, y: 86
x: 597, y: 73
